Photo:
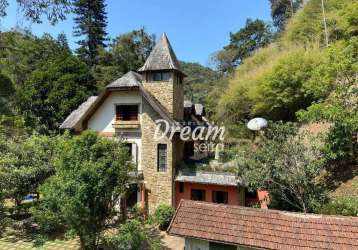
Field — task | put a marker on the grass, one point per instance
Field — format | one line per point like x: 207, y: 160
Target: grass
x: 18, y: 240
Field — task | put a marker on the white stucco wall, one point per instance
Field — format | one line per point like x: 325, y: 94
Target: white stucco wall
x: 194, y: 244
x: 104, y: 117
x: 102, y: 120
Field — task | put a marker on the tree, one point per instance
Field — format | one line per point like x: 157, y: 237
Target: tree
x: 283, y: 91
x: 126, y: 52
x: 7, y: 94
x: 34, y: 10
x: 283, y: 163
x: 53, y: 91
x: 25, y: 52
x: 254, y: 35
x: 92, y: 172
x: 25, y: 163
x: 199, y: 81
x: 282, y: 10
x: 91, y: 23
x: 2, y: 212
x: 339, y: 107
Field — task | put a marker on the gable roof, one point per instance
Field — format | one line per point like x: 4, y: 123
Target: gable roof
x: 76, y: 115
x: 162, y: 57
x: 129, y: 80
x: 263, y: 228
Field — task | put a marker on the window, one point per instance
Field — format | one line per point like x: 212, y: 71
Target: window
x: 251, y: 194
x: 133, y: 152
x: 220, y: 197
x: 220, y: 246
x: 181, y: 187
x: 127, y: 112
x: 161, y: 76
x: 197, y: 195
x: 188, y: 150
x: 162, y: 157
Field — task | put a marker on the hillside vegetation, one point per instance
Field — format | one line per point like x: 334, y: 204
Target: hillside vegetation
x: 289, y: 74
x: 302, y: 78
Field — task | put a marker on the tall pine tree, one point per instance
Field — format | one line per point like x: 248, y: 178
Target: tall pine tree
x: 91, y: 23
x: 282, y: 10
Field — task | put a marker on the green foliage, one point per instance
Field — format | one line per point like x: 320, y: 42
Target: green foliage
x: 126, y: 52
x: 163, y: 215
x: 25, y: 163
x: 40, y: 240
x: 23, y: 52
x: 282, y: 10
x: 2, y: 211
x: 132, y: 236
x: 280, y: 92
x: 92, y: 172
x: 288, y: 168
x: 307, y: 25
x: 35, y: 10
x: 7, y: 93
x: 91, y: 23
x: 295, y: 71
x: 271, y: 84
x: 340, y: 107
x: 254, y: 35
x: 347, y: 206
x: 199, y: 81
x: 43, y: 94
x: 12, y: 126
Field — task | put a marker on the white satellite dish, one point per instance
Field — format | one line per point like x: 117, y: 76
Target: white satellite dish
x: 257, y: 124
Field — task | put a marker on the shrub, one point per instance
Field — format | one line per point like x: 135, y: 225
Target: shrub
x: 347, y: 206
x: 163, y: 215
x: 133, y: 236
x: 40, y: 240
x: 2, y: 214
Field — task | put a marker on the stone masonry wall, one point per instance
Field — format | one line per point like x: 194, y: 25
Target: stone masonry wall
x: 159, y: 185
x: 163, y: 92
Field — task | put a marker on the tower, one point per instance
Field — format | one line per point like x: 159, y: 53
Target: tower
x: 163, y: 78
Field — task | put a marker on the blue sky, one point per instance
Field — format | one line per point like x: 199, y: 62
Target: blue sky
x: 196, y: 28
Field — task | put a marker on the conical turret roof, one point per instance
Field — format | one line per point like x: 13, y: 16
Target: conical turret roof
x: 162, y: 57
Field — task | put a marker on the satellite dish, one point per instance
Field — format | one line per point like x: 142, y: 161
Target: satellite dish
x: 257, y: 124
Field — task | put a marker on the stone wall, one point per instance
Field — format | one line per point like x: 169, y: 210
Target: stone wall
x: 159, y: 185
x: 163, y: 92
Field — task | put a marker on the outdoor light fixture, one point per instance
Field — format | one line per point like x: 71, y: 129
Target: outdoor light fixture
x: 257, y: 124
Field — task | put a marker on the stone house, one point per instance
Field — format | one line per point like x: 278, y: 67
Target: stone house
x: 129, y: 108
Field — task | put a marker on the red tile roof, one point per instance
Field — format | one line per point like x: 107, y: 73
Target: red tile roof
x: 263, y: 228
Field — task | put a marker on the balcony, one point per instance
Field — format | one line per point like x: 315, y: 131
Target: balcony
x: 135, y: 124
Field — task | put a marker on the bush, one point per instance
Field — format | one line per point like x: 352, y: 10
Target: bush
x: 47, y: 220
x: 40, y: 240
x: 347, y: 206
x: 131, y: 236
x: 163, y: 215
x: 2, y: 214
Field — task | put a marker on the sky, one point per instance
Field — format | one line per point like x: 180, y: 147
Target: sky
x: 195, y: 28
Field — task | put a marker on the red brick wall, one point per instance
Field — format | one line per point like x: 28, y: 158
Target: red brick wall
x: 233, y: 192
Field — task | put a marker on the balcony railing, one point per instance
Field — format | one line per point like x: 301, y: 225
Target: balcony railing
x: 126, y: 124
